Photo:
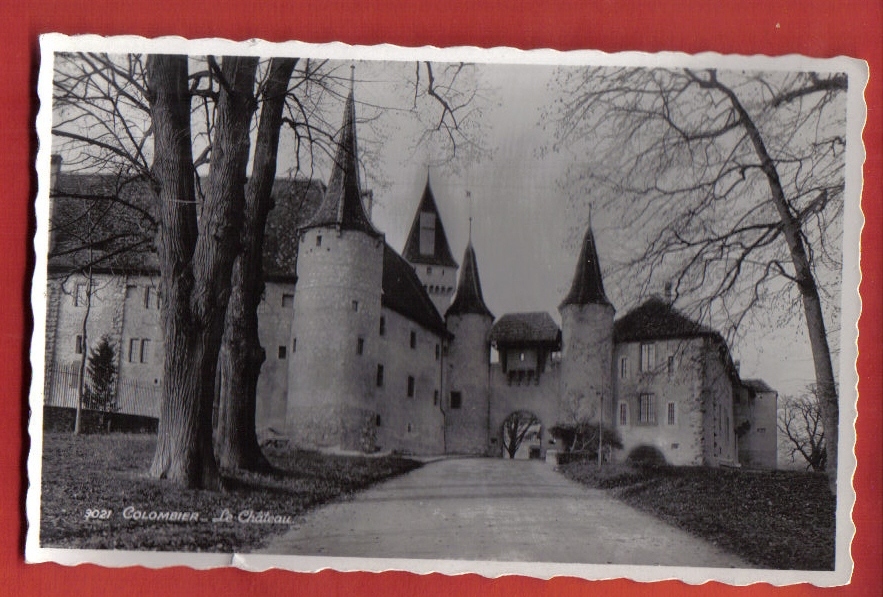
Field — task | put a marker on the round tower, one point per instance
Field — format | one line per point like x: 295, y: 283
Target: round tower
x: 587, y: 343
x: 337, y: 311
x: 466, y: 404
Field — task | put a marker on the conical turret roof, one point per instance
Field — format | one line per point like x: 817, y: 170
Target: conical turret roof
x: 469, y: 298
x: 441, y: 251
x: 587, y: 287
x: 342, y: 205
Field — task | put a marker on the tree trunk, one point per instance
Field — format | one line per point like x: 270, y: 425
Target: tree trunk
x: 195, y: 259
x: 806, y: 283
x: 241, y: 354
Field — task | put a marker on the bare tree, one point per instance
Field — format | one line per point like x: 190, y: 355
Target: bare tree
x: 515, y: 429
x: 800, y: 423
x: 733, y: 182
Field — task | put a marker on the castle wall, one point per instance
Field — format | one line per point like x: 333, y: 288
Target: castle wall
x: 587, y: 353
x: 540, y: 396
x: 412, y: 424
x: 720, y: 436
x: 139, y: 321
x: 275, y: 316
x: 467, y: 366
x: 758, y: 443
x: 676, y: 377
x: 440, y: 283
x: 331, y: 397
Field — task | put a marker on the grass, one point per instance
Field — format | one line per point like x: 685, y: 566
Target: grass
x: 776, y: 519
x: 109, y: 472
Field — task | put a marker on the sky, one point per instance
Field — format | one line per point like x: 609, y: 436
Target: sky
x: 526, y: 225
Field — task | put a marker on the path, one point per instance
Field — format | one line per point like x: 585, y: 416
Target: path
x: 494, y: 509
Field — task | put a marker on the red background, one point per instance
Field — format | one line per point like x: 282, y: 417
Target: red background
x: 818, y: 28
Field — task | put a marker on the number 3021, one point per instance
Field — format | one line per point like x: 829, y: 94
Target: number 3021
x: 98, y: 514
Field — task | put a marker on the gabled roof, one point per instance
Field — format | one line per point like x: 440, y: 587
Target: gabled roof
x: 655, y: 319
x: 404, y: 293
x: 124, y: 223
x: 469, y: 298
x: 342, y: 205
x: 587, y: 287
x: 526, y: 329
x: 758, y: 386
x: 442, y: 253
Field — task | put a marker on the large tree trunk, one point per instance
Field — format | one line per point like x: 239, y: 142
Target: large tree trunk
x: 195, y: 259
x: 806, y: 283
x: 241, y: 354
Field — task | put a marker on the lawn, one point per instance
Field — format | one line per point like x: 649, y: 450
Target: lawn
x: 775, y: 519
x: 104, y: 475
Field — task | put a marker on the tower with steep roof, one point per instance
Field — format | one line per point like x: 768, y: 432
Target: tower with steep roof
x: 587, y: 342
x: 337, y: 309
x: 468, y: 361
x: 427, y: 249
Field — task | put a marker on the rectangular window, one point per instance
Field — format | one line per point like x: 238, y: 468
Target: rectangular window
x: 379, y: 376
x: 287, y: 301
x: 134, y: 347
x: 319, y: 241
x: 456, y: 400
x: 437, y: 351
x: 283, y: 352
x: 648, y: 357
x: 671, y: 365
x: 294, y: 345
x: 151, y: 300
x: 623, y: 413
x: 623, y: 368
x: 647, y: 415
x: 428, y: 269
x: 377, y: 421
x: 79, y: 346
x: 355, y: 305
x: 427, y: 233
x: 435, y: 398
x: 383, y: 326
x: 410, y: 386
x: 761, y: 429
x: 413, y: 339
x: 145, y: 350
x: 131, y: 291
x: 409, y: 428
x: 671, y: 413
x: 360, y: 346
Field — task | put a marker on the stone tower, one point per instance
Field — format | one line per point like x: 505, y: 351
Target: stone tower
x: 428, y: 251
x: 334, y: 345
x: 587, y: 342
x: 468, y: 364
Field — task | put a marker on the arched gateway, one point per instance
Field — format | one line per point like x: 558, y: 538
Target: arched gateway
x: 522, y: 434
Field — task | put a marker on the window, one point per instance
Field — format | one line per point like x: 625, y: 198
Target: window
x: 437, y: 351
x: 409, y: 428
x: 79, y: 295
x: 456, y: 400
x: 623, y: 367
x: 413, y: 339
x: 428, y: 269
x: 319, y: 241
x: 435, y: 398
x: 283, y: 352
x: 648, y: 357
x: 355, y: 305
x: 294, y: 345
x: 623, y: 414
x: 360, y: 346
x: 761, y: 429
x: 671, y: 413
x: 79, y: 346
x: 671, y: 365
x: 647, y: 415
x: 379, y: 376
x: 410, y: 386
x: 427, y: 233
x: 287, y: 301
x: 382, y: 326
x: 151, y: 298
x: 131, y: 291
x: 139, y: 349
x: 377, y: 420
x: 521, y: 357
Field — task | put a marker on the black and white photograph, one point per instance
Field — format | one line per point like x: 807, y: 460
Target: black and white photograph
x: 454, y: 310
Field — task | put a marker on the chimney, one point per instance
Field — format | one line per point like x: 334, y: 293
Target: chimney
x: 668, y: 292
x: 54, y: 170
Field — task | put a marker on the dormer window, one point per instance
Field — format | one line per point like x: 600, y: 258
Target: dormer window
x: 427, y: 233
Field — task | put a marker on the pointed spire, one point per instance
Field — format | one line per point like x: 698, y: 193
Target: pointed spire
x: 469, y: 298
x: 588, y: 287
x: 342, y: 204
x: 427, y: 243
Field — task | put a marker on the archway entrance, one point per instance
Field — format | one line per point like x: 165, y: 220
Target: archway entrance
x: 522, y: 433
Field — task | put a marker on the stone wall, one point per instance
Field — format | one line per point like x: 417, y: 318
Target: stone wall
x: 586, y: 362
x: 468, y: 368
x: 275, y: 316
